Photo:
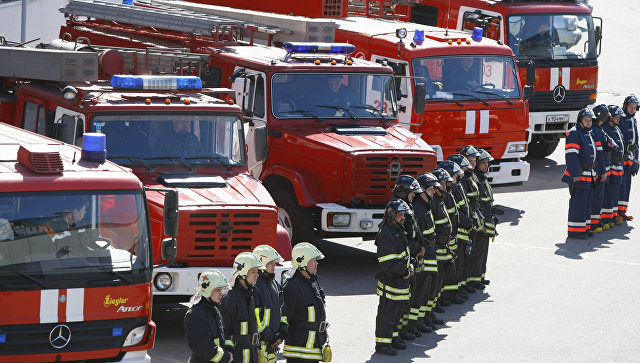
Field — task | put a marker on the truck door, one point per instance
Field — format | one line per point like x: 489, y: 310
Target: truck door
x: 405, y: 96
x: 68, y: 126
x: 36, y: 118
x: 250, y: 91
x: 491, y: 22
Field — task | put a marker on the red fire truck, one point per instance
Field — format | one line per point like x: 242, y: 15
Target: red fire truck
x: 561, y: 39
x: 168, y: 130
x: 492, y: 115
x: 329, y: 161
x: 75, y: 253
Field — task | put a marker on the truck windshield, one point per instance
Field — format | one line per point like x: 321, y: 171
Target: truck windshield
x: 333, y: 95
x: 551, y: 36
x: 467, y: 77
x: 167, y: 139
x: 73, y: 239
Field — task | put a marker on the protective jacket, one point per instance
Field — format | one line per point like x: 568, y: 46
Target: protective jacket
x: 629, y: 127
x: 273, y: 320
x: 470, y: 185
x: 616, y: 161
x: 443, y: 226
x: 204, y: 331
x: 580, y: 154
x: 426, y: 224
x: 304, y: 301
x: 393, y: 262
x: 486, y: 204
x: 600, y: 139
x: 239, y: 313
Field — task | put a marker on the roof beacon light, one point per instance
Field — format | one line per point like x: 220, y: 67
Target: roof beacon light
x: 94, y: 147
x: 418, y: 37
x: 329, y: 48
x: 156, y: 82
x: 401, y: 33
x: 477, y: 34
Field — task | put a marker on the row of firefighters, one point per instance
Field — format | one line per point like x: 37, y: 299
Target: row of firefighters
x: 432, y: 246
x: 601, y: 155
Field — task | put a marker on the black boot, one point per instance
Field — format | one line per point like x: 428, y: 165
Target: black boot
x: 444, y: 302
x: 386, y: 349
x: 485, y: 281
x: 397, y: 343
x: 406, y: 335
x: 438, y: 308
x: 422, y: 327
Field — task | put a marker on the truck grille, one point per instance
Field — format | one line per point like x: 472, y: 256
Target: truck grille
x: 574, y: 100
x: 207, y: 238
x: 373, y: 176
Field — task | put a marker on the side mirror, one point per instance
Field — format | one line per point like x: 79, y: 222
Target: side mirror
x: 171, y: 213
x: 261, y: 146
x: 531, y: 73
x: 243, y: 93
x: 419, y: 98
x: 168, y: 249
x: 528, y: 91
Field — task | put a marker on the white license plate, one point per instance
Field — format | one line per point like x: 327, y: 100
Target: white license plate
x: 557, y: 119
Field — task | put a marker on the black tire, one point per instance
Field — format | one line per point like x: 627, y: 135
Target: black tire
x: 542, y: 148
x: 294, y: 218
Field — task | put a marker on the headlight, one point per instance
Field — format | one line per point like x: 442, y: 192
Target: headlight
x: 162, y: 281
x: 517, y: 148
x: 339, y: 219
x: 135, y: 336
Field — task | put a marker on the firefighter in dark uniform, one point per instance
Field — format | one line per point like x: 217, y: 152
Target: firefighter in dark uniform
x: 616, y: 168
x: 468, y: 213
x: 488, y: 231
x: 406, y: 189
x: 394, y: 271
x: 471, y: 183
x: 603, y: 156
x: 308, y: 340
x: 629, y: 127
x: 273, y: 327
x: 436, y: 216
x: 239, y: 309
x: 203, y: 325
x: 580, y: 155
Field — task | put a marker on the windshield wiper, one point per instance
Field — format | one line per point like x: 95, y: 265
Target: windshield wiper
x: 495, y: 94
x: 445, y: 99
x: 371, y: 109
x: 215, y: 158
x: 115, y: 273
x: 469, y: 95
x: 135, y: 159
x: 29, y: 277
x: 176, y: 158
x: 340, y: 108
x: 306, y: 113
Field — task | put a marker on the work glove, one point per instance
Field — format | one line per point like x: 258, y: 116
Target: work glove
x: 634, y: 168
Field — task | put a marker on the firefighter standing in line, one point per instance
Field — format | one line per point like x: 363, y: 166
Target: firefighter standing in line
x: 629, y: 127
x: 273, y: 327
x: 307, y: 340
x: 436, y: 213
x: 481, y: 248
x: 203, y: 325
x: 239, y: 309
x: 406, y: 189
x: 393, y: 276
x: 473, y: 194
x: 603, y: 156
x: 580, y: 155
x: 616, y: 172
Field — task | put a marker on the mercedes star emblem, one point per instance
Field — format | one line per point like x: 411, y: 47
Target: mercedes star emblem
x: 558, y: 93
x: 60, y: 336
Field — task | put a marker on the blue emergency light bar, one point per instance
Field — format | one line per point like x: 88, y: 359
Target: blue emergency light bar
x: 156, y: 82
x: 328, y: 48
x: 94, y: 147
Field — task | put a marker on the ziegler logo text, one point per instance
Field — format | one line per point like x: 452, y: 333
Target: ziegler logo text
x: 581, y: 82
x: 108, y: 301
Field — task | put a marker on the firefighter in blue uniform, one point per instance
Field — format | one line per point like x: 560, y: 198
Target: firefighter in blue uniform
x: 203, y: 324
x: 629, y: 127
x: 394, y: 270
x: 272, y: 326
x: 580, y: 155
x: 308, y: 340
x: 603, y: 154
x: 616, y: 168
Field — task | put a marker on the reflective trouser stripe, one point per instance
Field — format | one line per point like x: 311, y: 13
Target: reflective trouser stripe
x: 219, y: 355
x: 393, y: 297
x: 383, y: 340
x: 450, y: 287
x: 392, y: 289
x: 291, y: 351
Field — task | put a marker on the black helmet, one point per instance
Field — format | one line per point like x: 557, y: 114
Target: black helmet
x: 630, y: 99
x: 602, y: 113
x: 427, y: 180
x: 485, y: 156
x: 585, y: 112
x: 405, y: 184
x: 441, y: 174
x: 394, y: 207
x: 615, y: 111
x: 469, y: 151
x: 459, y: 159
x: 451, y: 167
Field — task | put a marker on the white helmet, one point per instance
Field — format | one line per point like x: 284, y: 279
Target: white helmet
x: 304, y: 252
x: 210, y: 280
x: 244, y: 262
x: 267, y: 254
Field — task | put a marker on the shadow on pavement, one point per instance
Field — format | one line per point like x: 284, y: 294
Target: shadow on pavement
x: 511, y: 215
x: 573, y: 248
x: 545, y: 175
x: 169, y: 331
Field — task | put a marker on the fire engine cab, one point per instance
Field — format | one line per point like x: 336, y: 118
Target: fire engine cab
x: 323, y: 125
x: 173, y: 133
x: 560, y: 39
x: 75, y: 253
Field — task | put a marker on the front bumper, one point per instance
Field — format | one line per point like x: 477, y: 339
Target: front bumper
x: 361, y: 221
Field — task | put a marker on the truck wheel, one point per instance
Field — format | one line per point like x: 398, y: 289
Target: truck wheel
x: 297, y: 220
x: 542, y: 148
